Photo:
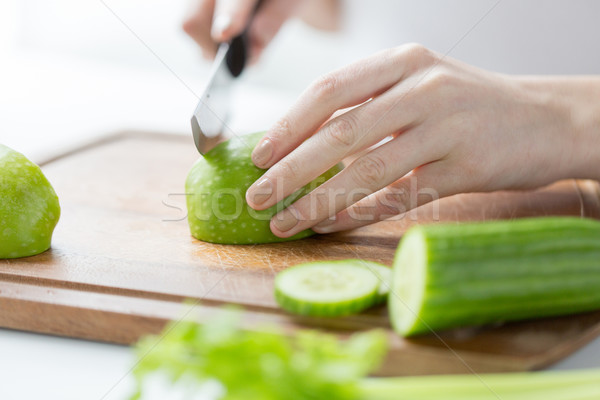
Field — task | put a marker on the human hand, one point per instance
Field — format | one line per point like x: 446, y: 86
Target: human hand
x: 216, y: 21
x: 454, y: 128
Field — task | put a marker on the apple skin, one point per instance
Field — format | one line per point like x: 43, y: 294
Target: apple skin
x: 29, y: 208
x: 215, y: 194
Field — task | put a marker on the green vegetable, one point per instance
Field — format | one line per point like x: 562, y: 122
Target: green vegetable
x: 327, y: 288
x: 567, y: 385
x: 216, y: 189
x: 447, y: 276
x: 254, y: 365
x: 29, y: 208
x: 384, y: 275
x: 260, y: 365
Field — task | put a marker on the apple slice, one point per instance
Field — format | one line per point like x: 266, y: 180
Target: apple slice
x: 216, y: 189
x: 29, y: 208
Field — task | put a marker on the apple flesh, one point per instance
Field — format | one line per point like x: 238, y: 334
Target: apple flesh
x: 215, y: 194
x: 29, y: 208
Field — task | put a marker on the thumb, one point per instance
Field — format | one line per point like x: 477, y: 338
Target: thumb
x: 230, y: 18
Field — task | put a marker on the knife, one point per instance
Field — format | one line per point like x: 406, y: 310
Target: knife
x: 209, y: 122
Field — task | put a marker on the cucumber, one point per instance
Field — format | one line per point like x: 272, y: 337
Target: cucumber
x: 327, y: 288
x: 384, y: 274
x: 448, y: 276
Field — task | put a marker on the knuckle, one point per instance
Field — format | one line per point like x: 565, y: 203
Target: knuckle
x: 321, y: 201
x: 394, y: 200
x: 362, y: 212
x: 312, y: 206
x: 438, y: 79
x: 303, y: 211
x: 392, y: 55
x: 340, y: 132
x: 416, y: 57
x: 281, y: 129
x: 325, y: 86
x: 417, y: 51
x: 369, y: 170
x: 398, y: 194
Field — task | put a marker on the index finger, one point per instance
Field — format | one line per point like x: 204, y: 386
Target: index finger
x: 198, y: 26
x: 346, y: 87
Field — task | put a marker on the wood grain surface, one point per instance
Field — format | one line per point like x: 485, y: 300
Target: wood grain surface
x: 122, y: 261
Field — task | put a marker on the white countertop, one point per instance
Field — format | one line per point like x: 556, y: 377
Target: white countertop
x: 46, y: 109
x: 36, y: 366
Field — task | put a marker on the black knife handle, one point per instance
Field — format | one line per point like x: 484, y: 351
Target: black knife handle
x: 237, y: 56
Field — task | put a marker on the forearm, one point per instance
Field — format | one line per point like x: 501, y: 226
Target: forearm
x: 574, y: 105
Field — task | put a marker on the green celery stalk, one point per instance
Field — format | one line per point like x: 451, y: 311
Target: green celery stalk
x: 569, y: 385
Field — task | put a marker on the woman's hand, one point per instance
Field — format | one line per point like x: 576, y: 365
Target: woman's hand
x: 216, y: 21
x: 451, y: 128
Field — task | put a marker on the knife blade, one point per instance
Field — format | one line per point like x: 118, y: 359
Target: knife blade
x: 209, y: 121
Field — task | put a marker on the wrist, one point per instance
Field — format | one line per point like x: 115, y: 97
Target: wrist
x: 585, y: 118
x: 570, y: 145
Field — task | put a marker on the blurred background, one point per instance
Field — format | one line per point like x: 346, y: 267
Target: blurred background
x: 74, y: 70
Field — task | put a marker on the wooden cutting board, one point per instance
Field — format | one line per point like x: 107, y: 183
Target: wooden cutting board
x: 122, y: 261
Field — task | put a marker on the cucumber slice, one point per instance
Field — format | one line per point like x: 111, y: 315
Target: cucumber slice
x: 383, y: 274
x: 327, y: 288
x: 452, y: 275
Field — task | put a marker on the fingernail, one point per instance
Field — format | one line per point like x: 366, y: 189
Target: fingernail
x: 262, y: 153
x: 260, y: 191
x: 285, y: 220
x: 325, y: 226
x: 220, y: 24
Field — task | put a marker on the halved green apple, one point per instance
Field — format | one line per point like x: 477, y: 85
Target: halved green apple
x: 215, y: 194
x: 29, y: 208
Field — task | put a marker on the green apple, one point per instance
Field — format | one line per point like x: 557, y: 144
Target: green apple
x: 29, y: 208
x: 216, y: 189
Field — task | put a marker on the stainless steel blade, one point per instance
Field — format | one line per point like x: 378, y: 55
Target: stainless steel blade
x: 209, y: 120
